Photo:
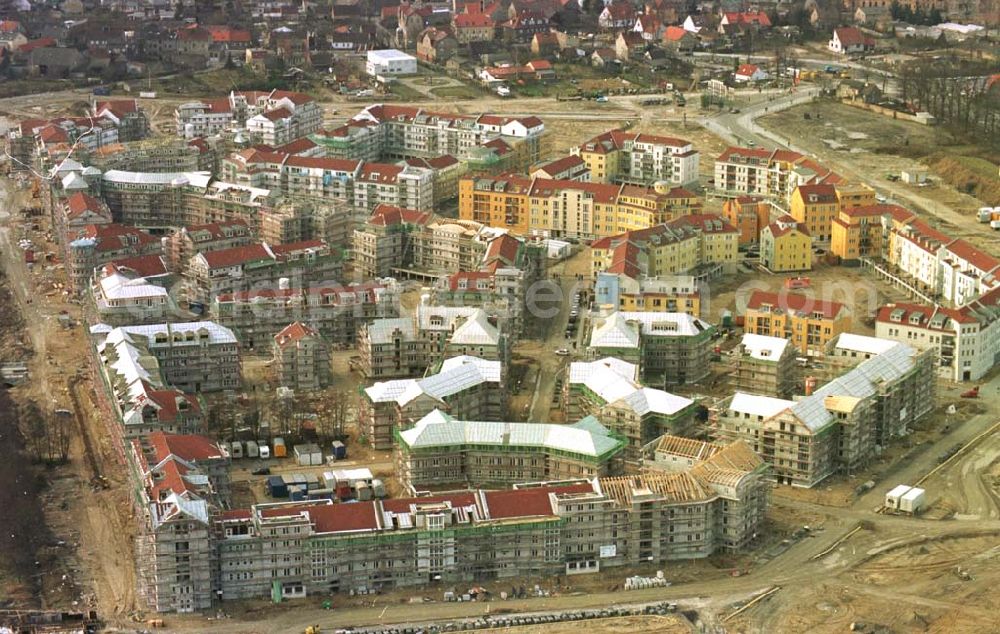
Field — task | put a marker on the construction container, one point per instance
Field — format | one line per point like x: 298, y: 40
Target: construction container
x: 344, y: 491
x: 352, y: 476
x: 912, y: 501
x: 363, y: 491
x: 330, y: 480
x: 893, y: 497
x: 308, y: 455
x: 280, y: 451
x: 727, y: 319
x: 378, y: 488
x: 313, y: 482
x: 995, y: 225
x: 985, y: 214
x: 811, y: 382
x: 253, y: 450
x: 339, y: 449
x: 296, y: 494
x: 265, y: 451
x: 276, y: 487
x: 236, y: 450
x: 320, y: 494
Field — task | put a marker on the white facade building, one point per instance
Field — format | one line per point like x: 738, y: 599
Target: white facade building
x: 390, y: 62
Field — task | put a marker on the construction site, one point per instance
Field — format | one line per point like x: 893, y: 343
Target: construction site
x: 69, y: 543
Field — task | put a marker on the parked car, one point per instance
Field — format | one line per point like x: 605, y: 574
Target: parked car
x: 562, y: 352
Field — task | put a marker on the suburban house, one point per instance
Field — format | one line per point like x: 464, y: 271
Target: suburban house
x: 849, y: 40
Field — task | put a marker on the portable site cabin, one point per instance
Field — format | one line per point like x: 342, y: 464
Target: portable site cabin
x: 893, y: 497
x: 308, y: 455
x: 236, y: 450
x: 276, y: 487
x: 280, y: 451
x: 339, y: 449
x: 253, y: 451
x: 912, y: 501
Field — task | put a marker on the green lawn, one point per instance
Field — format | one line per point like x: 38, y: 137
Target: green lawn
x: 459, y: 92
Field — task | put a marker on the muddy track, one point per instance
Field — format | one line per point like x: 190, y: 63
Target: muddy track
x: 91, y: 455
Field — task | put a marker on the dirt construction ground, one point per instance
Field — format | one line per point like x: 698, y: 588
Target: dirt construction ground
x: 867, y: 146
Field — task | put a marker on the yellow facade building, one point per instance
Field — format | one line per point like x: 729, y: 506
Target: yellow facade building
x: 861, y: 231
x: 815, y: 206
x: 785, y: 246
x: 809, y: 323
x: 702, y: 244
x: 568, y: 209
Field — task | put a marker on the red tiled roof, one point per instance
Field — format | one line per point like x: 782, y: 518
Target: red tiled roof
x: 982, y: 261
x: 115, y: 236
x: 80, y: 202
x: 472, y: 20
x: 384, y: 215
x: 235, y: 514
x: 297, y: 146
x: 380, y: 172
x: 530, y: 502
x: 324, y: 163
x: 217, y: 230
x: 142, y: 265
x: 342, y: 518
x: 560, y: 165
x: 277, y: 113
x: 851, y: 36
x: 926, y: 312
x: 795, y: 302
x: 236, y: 255
x: 403, y: 505
x: 291, y: 248
x: 293, y: 333
x: 225, y: 33
x: 823, y: 193
x: 468, y: 276
x: 504, y: 248
x: 746, y: 70
x: 187, y: 447
x: 674, y: 33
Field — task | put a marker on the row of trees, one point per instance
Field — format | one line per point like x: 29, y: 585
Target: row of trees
x: 957, y: 93
x: 906, y: 13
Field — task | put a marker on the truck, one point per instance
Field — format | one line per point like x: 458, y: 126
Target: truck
x: 102, y: 91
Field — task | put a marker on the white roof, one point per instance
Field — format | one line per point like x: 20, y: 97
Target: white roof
x: 216, y: 334
x: 380, y: 330
x: 200, y: 179
x: 389, y: 54
x: 861, y: 343
x: 764, y: 347
x: 613, y: 380
x: 615, y: 332
x: 476, y: 331
x: 118, y: 286
x: 673, y: 324
x: 859, y: 383
x: 898, y: 491
x: 756, y: 405
x: 649, y: 399
x: 438, y: 429
x: 74, y: 181
x: 447, y: 314
x: 913, y: 493
x: 609, y: 378
x: 457, y: 374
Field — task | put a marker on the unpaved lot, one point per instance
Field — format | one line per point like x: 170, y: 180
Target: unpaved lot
x: 867, y: 146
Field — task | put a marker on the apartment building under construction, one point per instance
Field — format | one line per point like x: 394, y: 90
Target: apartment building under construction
x: 293, y: 550
x: 841, y: 425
